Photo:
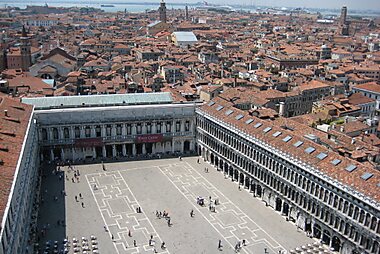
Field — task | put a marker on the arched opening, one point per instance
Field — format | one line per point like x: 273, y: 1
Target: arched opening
x: 247, y: 181
x: 326, y: 237
x: 278, y: 205
x: 308, y: 225
x: 212, y: 158
x: 241, y: 179
x: 317, y: 231
x: 336, y: 244
x: 285, y: 209
x: 231, y: 172
x: 236, y: 175
x: 375, y: 247
x: 186, y: 146
x: 258, y: 190
x: 217, y: 163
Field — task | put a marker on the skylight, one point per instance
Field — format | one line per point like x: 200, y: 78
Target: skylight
x: 219, y: 108
x: 238, y: 117
x: 336, y: 162
x: 249, y: 121
x: 211, y: 103
x: 229, y: 112
x: 351, y: 168
x: 287, y: 138
x: 267, y: 129
x: 310, y: 150
x: 298, y: 144
x: 258, y: 125
x: 366, y: 176
x: 321, y: 156
x: 277, y: 133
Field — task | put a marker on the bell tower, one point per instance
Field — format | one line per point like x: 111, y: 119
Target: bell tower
x: 25, y: 50
x: 162, y: 11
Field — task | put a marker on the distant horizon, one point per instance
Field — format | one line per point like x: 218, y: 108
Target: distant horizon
x: 372, y: 5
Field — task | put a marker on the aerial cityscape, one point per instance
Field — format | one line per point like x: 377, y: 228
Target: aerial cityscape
x: 203, y: 127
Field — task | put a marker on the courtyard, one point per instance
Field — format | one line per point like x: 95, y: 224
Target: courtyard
x: 101, y: 202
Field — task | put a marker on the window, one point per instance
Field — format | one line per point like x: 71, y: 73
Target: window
x: 178, y: 126
x: 321, y: 156
x: 351, y: 168
x: 257, y: 125
x: 55, y: 133
x: 98, y: 131
x: 267, y: 129
x: 149, y: 128
x: 219, y: 108
x: 66, y: 133
x: 138, y: 126
x: 118, y: 129
x: 44, y: 134
x: 129, y: 129
x: 158, y: 127
x: 336, y: 162
x: 298, y: 143
x: 168, y: 126
x: 249, y: 121
x: 87, y: 132
x: 187, y: 125
x: 310, y: 150
x: 77, y: 132
x: 366, y: 176
x: 238, y: 117
x: 287, y: 139
x: 276, y: 134
x: 228, y: 112
x: 108, y: 130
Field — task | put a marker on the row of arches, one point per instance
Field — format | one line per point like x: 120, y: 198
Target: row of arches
x: 317, y: 201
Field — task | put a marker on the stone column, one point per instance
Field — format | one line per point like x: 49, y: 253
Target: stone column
x: 104, y: 152
x: 154, y: 148
x: 62, y: 154
x: 134, y: 149
x: 123, y: 130
x: 173, y: 146
x: 94, y: 153
x: 93, y: 133
x: 143, y: 149
x: 103, y: 130
x: 143, y: 128
x: 60, y: 133
x: 182, y: 125
x: 113, y: 150
x: 163, y: 127
x: 134, y: 129
x: 50, y: 134
x: 113, y: 130
x: 51, y: 154
x: 73, y: 153
x: 71, y: 132
x: 82, y: 134
x: 191, y: 145
x: 182, y: 146
x: 124, y: 150
x: 154, y: 129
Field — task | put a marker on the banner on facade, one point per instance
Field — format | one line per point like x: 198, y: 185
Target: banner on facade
x: 149, y: 138
x: 88, y: 142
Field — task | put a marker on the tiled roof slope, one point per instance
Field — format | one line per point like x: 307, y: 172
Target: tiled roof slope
x: 12, y: 132
x: 339, y: 172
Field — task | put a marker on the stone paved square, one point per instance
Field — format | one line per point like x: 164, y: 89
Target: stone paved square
x: 111, y: 198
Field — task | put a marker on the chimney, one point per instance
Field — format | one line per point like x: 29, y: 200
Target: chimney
x: 341, y: 128
x: 352, y: 141
x: 6, y: 112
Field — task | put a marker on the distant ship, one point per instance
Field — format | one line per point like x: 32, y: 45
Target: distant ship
x: 107, y: 5
x: 217, y: 8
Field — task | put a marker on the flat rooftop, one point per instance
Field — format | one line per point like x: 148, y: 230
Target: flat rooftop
x: 98, y: 100
x: 160, y: 185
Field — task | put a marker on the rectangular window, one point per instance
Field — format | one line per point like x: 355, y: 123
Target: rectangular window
x: 108, y: 131
x: 178, y: 126
x: 158, y: 127
x: 168, y: 127
x: 138, y: 128
x: 129, y: 129
x: 148, y: 128
x: 118, y: 129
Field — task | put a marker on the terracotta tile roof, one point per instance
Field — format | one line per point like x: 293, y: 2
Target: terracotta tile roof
x: 358, y: 99
x: 351, y: 180
x: 372, y: 87
x: 12, y: 132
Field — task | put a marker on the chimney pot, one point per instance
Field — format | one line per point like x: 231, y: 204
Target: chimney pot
x: 6, y: 112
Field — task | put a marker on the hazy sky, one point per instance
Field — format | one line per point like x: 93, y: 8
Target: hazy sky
x: 353, y: 4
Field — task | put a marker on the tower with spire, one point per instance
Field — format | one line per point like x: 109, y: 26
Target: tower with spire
x: 162, y: 11
x: 187, y: 12
x: 25, y: 50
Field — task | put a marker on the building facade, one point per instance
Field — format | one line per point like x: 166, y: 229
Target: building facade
x: 130, y: 131
x: 298, y: 184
